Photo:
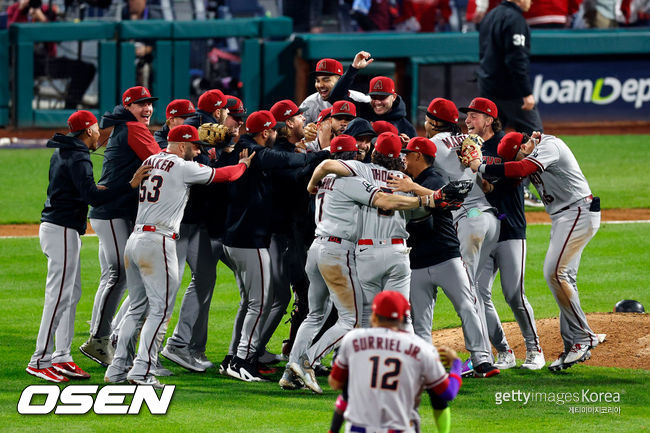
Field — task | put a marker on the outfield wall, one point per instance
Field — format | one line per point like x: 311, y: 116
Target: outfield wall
x: 577, y: 75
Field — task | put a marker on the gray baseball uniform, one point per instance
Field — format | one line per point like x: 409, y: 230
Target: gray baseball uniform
x: 381, y: 254
x: 331, y: 265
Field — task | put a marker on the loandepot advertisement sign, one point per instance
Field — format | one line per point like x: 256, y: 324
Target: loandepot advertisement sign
x: 592, y: 90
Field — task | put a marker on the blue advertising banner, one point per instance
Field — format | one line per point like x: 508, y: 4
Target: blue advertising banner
x: 587, y: 91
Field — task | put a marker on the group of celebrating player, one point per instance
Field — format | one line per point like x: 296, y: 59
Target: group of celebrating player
x: 337, y: 199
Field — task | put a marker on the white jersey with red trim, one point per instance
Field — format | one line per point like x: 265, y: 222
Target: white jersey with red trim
x: 378, y: 223
x: 387, y: 370
x: 447, y: 160
x: 559, y: 180
x: 164, y: 193
x: 338, y: 203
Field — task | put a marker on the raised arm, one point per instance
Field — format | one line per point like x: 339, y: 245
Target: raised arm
x: 329, y: 166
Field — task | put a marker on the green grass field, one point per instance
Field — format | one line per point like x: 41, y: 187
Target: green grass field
x: 614, y: 267
x: 613, y: 165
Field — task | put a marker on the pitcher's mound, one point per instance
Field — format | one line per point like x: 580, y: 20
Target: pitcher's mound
x: 627, y: 344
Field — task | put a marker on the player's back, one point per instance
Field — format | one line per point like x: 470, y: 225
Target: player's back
x: 447, y: 160
x: 387, y: 371
x: 560, y: 180
x: 164, y: 194
x: 379, y: 223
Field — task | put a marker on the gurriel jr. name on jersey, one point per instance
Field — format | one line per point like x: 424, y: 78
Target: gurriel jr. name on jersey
x: 381, y: 343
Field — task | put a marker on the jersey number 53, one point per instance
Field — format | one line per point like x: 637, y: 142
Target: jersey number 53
x: 153, y: 195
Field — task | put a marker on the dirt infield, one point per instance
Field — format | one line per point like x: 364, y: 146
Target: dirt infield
x: 627, y: 344
x: 531, y: 217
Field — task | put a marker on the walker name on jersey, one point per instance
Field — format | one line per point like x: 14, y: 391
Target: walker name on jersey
x: 381, y: 343
x: 159, y: 163
x: 600, y: 91
x: 81, y: 399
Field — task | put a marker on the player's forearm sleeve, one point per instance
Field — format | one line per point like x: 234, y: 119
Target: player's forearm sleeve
x: 141, y: 140
x: 521, y: 168
x: 82, y: 177
x: 227, y: 174
x: 448, y: 389
x: 339, y: 373
x: 342, y: 86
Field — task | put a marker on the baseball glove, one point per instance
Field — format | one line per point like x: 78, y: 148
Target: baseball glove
x: 452, y: 195
x: 471, y: 149
x: 214, y: 134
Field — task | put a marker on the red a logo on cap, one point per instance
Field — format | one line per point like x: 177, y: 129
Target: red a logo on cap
x: 345, y: 107
x: 378, y: 85
x: 144, y: 91
x: 322, y: 65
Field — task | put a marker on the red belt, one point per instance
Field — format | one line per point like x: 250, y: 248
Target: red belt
x: 394, y: 241
x: 150, y: 228
x: 329, y: 239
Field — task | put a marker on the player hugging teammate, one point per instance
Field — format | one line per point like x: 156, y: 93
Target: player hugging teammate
x: 336, y: 201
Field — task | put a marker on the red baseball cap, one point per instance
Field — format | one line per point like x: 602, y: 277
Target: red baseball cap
x: 324, y: 115
x: 343, y: 143
x: 509, y: 145
x: 212, y: 100
x: 422, y: 145
x: 180, y: 108
x: 389, y: 144
x: 482, y: 105
x: 137, y: 94
x: 80, y: 120
x: 382, y: 126
x: 443, y: 110
x: 344, y: 108
x: 328, y: 67
x: 285, y: 109
x: 391, y: 305
x: 184, y: 133
x: 260, y: 121
x: 381, y: 86
x: 235, y: 106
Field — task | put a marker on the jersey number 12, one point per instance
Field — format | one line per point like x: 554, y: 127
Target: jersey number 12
x: 389, y: 378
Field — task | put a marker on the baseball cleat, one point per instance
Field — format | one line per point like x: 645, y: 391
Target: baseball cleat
x: 182, y: 357
x: 114, y: 375
x: 304, y: 371
x: 99, y: 350
x: 290, y: 381
x: 485, y: 370
x: 160, y: 371
x: 70, y: 369
x: 149, y: 380
x: 270, y: 358
x: 224, y: 365
x: 558, y: 364
x: 468, y: 369
x: 534, y: 360
x: 201, y: 359
x: 48, y: 374
x: 578, y: 353
x: 320, y: 370
x: 243, y: 370
x: 505, y: 360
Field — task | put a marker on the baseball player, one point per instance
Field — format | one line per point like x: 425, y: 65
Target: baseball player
x: 386, y: 369
x: 331, y: 123
x: 331, y: 264
x: 247, y: 240
x: 385, y: 104
x: 326, y: 75
x: 436, y: 260
x: 381, y: 253
x: 129, y: 144
x: 150, y: 254
x: 509, y: 255
x: 71, y: 188
x: 363, y: 132
x: 176, y: 112
x: 575, y: 219
x: 186, y: 346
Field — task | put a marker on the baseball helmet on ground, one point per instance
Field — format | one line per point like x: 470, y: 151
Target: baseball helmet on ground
x: 629, y: 306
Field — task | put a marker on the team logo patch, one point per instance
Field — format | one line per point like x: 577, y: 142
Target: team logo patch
x: 144, y: 92
x: 218, y: 104
x: 127, y: 99
x: 190, y: 107
x: 267, y: 124
x: 288, y: 112
x: 345, y: 107
x: 322, y: 65
x: 174, y: 111
x: 378, y: 85
x: 187, y: 136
